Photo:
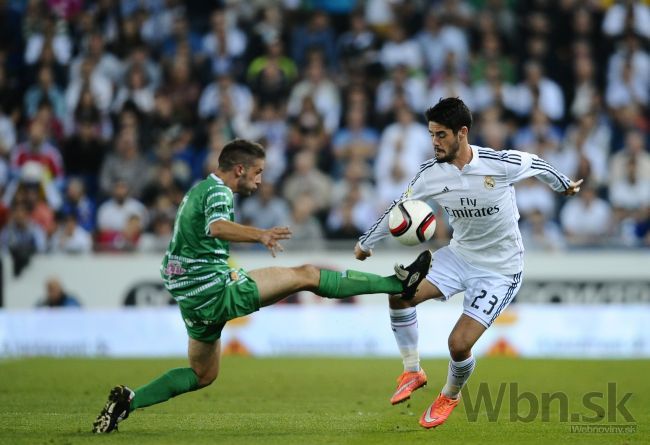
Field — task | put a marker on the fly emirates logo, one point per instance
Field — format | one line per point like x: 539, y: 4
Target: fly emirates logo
x: 470, y: 210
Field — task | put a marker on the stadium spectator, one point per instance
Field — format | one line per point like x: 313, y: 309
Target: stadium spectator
x: 585, y: 92
x: 490, y: 91
x: 124, y: 164
x: 539, y: 136
x: 104, y: 63
x: 627, y: 16
x: 317, y: 35
x: 413, y: 89
x: 267, y: 29
x: 45, y: 89
x: 114, y: 214
x: 140, y: 58
x: 450, y: 84
x: 38, y: 150
x: 21, y: 237
x: 84, y: 152
x: 99, y: 85
x: 182, y: 38
x: 306, y: 179
x: 536, y: 91
x: 591, y: 138
x: 404, y: 145
x: 357, y: 47
x: 70, y: 237
x: 157, y: 240
x: 438, y: 39
x: 270, y: 76
x: 7, y: 133
x: 56, y: 296
x: 351, y: 216
x: 224, y: 90
x: 182, y: 90
x: 630, y: 198
x: 355, y: 142
x: 628, y: 73
x: 587, y: 220
x: 541, y: 233
x: 54, y: 131
x: 533, y: 197
x: 224, y: 45
x: 306, y: 231
x: 32, y: 191
x: 491, y: 56
x: 77, y: 202
x: 634, y: 151
x: 53, y: 36
x: 323, y: 91
x: 138, y: 89
x: 265, y: 209
x: 399, y: 49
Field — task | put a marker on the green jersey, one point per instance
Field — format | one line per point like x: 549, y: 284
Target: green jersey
x: 195, y: 261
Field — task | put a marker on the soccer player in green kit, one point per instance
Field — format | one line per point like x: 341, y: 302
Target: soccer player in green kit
x: 209, y: 292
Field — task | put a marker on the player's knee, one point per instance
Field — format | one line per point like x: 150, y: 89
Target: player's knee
x: 309, y: 276
x: 207, y: 377
x: 460, y: 348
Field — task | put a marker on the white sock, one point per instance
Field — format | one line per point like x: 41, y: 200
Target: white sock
x: 457, y: 376
x: 404, y: 323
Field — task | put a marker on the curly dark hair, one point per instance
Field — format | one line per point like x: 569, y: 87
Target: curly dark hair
x: 450, y: 112
x: 240, y: 151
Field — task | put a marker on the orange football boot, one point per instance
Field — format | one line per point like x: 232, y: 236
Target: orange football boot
x: 437, y: 413
x: 408, y: 382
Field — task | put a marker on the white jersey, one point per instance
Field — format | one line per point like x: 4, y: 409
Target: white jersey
x: 480, y: 202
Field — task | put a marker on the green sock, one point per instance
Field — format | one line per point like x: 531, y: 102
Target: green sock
x: 352, y: 282
x: 170, y: 384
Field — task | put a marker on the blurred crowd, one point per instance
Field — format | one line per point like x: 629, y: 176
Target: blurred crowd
x: 110, y: 110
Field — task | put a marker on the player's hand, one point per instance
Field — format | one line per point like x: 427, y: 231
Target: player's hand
x: 270, y: 237
x: 574, y: 187
x: 361, y: 254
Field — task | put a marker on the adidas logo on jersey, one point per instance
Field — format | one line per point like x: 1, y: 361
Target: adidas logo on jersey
x: 446, y: 189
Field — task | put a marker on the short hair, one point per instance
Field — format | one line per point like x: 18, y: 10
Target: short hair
x: 450, y: 112
x: 240, y: 151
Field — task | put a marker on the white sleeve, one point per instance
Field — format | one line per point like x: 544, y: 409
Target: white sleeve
x: 521, y: 165
x: 379, y: 230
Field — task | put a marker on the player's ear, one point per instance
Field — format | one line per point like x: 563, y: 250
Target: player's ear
x: 463, y: 131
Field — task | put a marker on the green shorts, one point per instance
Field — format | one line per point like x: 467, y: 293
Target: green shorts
x: 206, y: 313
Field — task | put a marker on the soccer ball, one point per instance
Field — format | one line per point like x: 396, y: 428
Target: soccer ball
x: 411, y: 222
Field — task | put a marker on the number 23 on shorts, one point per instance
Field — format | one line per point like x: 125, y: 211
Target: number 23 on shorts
x: 491, y: 303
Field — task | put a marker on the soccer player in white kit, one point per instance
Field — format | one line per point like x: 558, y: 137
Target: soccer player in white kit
x: 474, y: 186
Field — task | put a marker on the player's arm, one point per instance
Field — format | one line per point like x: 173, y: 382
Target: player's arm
x: 521, y: 165
x: 239, y: 233
x: 379, y: 230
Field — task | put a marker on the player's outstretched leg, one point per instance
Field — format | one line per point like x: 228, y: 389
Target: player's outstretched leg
x: 117, y: 408
x: 336, y: 285
x: 413, y: 274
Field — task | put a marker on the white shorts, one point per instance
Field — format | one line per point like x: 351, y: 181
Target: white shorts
x: 486, y: 293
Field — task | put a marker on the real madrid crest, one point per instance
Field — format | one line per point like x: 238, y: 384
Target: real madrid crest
x: 489, y: 182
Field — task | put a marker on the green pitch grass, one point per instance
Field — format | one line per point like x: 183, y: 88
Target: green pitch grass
x: 315, y: 401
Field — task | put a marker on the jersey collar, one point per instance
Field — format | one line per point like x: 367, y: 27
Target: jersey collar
x: 474, y: 162
x: 216, y: 178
